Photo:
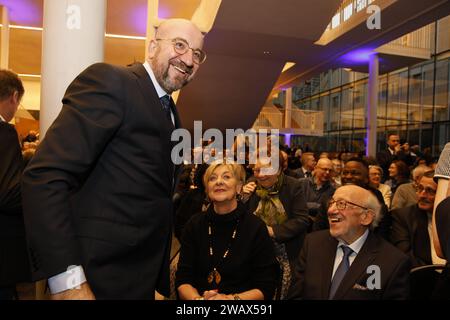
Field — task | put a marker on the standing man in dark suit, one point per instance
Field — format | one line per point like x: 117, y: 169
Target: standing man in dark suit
x: 97, y: 194
x: 349, y: 261
x: 308, y: 165
x: 14, y: 266
x: 393, y: 152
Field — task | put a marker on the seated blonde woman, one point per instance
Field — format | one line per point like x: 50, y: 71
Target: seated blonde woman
x: 375, y: 176
x: 226, y: 253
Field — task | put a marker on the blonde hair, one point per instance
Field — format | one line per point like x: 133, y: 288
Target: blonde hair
x: 237, y: 170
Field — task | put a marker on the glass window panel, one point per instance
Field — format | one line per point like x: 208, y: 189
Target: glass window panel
x: 335, y: 105
x: 427, y: 96
x: 359, y: 104
x: 325, y: 107
x: 442, y: 102
x: 415, y: 94
x: 346, y: 114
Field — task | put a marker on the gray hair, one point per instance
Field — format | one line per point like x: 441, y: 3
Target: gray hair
x: 374, y: 205
x: 419, y: 171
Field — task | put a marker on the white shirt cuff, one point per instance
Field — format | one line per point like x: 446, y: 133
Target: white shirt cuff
x: 70, y: 279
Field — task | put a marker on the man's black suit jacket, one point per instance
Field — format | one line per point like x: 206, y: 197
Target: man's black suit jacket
x: 410, y: 234
x: 14, y: 265
x: 98, y: 191
x: 315, y: 266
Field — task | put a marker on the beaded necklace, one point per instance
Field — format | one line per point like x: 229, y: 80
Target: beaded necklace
x: 214, y: 275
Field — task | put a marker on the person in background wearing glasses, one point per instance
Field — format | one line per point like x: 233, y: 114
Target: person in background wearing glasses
x: 349, y: 261
x: 102, y: 203
x: 318, y: 190
x: 375, y: 177
x: 412, y: 228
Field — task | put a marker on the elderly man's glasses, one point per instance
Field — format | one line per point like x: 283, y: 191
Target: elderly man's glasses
x: 342, y: 204
x: 181, y: 47
x: 427, y: 190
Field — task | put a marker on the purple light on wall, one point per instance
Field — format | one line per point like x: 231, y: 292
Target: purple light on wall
x: 287, y: 139
x: 164, y: 12
x: 366, y: 143
x: 139, y: 19
x: 357, y: 56
x: 23, y: 12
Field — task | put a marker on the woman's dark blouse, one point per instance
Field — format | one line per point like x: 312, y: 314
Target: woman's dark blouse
x: 250, y: 264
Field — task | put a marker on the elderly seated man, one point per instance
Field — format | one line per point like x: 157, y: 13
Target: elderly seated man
x: 349, y: 261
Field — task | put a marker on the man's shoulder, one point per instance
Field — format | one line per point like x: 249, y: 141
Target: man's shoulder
x: 386, y: 250
x: 8, y: 131
x: 405, y: 187
x: 405, y: 211
x: 110, y: 69
x: 319, y: 237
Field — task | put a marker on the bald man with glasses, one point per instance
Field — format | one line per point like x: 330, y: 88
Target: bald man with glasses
x: 349, y: 261
x: 98, y: 193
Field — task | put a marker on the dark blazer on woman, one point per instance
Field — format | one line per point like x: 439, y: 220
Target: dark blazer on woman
x: 98, y: 191
x: 293, y: 230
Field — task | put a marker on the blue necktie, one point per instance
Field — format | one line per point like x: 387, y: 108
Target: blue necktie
x: 165, y: 101
x: 340, y: 271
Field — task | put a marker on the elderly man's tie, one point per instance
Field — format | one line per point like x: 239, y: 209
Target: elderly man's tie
x: 340, y: 271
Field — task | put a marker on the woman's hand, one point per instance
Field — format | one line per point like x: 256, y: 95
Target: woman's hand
x: 249, y: 188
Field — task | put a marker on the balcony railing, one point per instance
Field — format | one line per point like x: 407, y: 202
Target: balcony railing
x: 269, y: 118
x: 303, y: 122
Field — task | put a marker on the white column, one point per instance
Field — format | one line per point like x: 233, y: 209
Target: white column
x: 73, y: 39
x: 4, y: 48
x: 288, y: 108
x: 372, y: 104
x: 288, y: 116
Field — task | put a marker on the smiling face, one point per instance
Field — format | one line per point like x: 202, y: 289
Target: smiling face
x: 172, y: 70
x: 375, y: 176
x: 393, y: 170
x: 350, y: 223
x: 426, y: 193
x: 355, y: 173
x: 262, y: 178
x: 222, y: 185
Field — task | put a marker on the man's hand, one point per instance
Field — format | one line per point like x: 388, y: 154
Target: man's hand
x: 82, y: 293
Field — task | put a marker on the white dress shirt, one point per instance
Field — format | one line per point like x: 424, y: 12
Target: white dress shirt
x: 355, y: 246
x: 160, y: 91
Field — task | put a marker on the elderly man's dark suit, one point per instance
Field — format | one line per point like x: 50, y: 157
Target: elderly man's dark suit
x: 98, y: 191
x: 14, y: 266
x: 315, y: 267
x: 410, y: 234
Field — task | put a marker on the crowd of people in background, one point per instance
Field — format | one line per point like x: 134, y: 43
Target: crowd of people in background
x: 297, y: 201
